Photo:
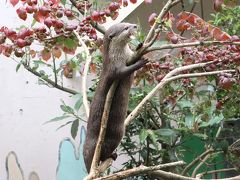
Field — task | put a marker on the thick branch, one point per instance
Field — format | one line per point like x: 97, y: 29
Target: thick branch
x: 98, y: 27
x: 85, y: 73
x: 139, y: 170
x: 93, y: 172
x: 49, y: 81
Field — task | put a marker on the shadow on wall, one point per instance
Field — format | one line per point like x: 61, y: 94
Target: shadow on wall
x: 70, y: 163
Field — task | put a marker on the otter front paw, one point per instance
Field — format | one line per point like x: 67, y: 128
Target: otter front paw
x: 114, y: 156
x: 142, y: 62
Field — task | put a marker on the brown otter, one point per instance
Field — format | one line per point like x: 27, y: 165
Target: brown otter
x: 116, y: 54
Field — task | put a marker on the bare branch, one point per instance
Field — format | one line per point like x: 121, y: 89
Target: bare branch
x: 85, y: 72
x: 94, y: 170
x: 215, y: 171
x: 49, y: 81
x: 196, y: 160
x: 200, y: 165
x: 139, y: 170
x: 199, y: 43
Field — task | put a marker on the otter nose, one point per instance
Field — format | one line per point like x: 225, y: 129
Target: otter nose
x: 135, y: 26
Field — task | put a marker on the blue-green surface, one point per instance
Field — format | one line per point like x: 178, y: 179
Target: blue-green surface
x: 71, y: 165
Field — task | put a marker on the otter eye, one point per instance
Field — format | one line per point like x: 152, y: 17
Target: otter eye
x: 126, y: 28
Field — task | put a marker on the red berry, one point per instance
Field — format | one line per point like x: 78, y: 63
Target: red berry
x: 58, y: 24
x: 133, y: 1
x: 125, y: 3
x: 59, y: 14
x: 113, y: 6
x: 29, y: 9
x: 71, y: 27
x: 69, y: 14
x: 48, y: 22
x: 21, y: 43
x: 44, y: 10
x: 19, y: 52
x: 24, y: 32
x: 96, y: 16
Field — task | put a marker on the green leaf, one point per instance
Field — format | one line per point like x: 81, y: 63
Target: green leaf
x: 69, y: 43
x: 74, y: 128
x: 59, y: 118
x: 189, y: 120
x: 78, y: 104
x: 33, y: 22
x: 67, y: 109
x: 153, y: 137
x: 63, y: 2
x: 185, y: 104
x: 18, y: 66
x: 143, y: 135
x: 214, y: 120
x: 165, y: 132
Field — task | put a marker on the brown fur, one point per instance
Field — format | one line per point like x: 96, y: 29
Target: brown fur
x: 116, y: 54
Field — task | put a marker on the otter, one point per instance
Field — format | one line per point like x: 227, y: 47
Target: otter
x: 116, y: 53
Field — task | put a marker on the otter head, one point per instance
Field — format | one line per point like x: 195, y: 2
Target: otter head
x: 120, y: 33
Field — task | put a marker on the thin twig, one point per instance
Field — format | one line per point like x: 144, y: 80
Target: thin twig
x: 200, y: 165
x: 85, y: 73
x: 54, y: 69
x: 196, y: 160
x: 215, y: 171
x: 190, y: 44
x: 49, y: 81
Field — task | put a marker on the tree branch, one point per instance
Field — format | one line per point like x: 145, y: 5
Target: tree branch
x: 200, y: 164
x: 196, y: 160
x: 94, y: 170
x: 85, y: 72
x: 215, y: 171
x: 139, y: 170
x: 49, y: 81
x: 199, y: 43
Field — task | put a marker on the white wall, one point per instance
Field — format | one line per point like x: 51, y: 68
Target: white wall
x: 24, y: 107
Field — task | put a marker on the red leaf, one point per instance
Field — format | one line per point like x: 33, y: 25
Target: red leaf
x: 57, y: 52
x: 14, y: 2
x: 22, y: 14
x: 46, y: 55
